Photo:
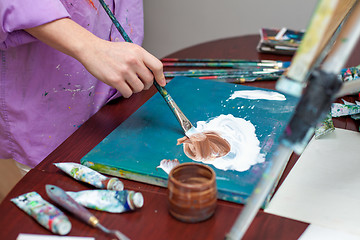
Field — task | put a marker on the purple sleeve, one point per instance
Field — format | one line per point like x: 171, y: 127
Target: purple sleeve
x: 16, y: 15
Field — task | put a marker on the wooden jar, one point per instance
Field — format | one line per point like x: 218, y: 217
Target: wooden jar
x: 192, y: 192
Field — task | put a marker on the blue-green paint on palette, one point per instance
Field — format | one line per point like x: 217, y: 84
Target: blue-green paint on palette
x: 135, y: 148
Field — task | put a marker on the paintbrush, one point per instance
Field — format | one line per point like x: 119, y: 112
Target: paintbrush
x: 224, y: 64
x: 239, y: 79
x: 64, y: 200
x: 213, y: 60
x: 222, y: 72
x: 219, y: 60
x: 184, y: 122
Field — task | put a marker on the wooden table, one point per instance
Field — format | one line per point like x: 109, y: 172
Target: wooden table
x: 153, y: 220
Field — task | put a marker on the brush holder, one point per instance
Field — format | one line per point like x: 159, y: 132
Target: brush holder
x: 192, y: 192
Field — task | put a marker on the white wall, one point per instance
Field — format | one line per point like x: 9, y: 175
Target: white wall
x: 171, y: 25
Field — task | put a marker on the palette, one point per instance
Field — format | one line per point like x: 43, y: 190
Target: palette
x: 136, y: 147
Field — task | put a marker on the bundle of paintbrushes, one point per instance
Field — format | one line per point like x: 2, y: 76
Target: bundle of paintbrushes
x: 279, y: 41
x: 227, y: 70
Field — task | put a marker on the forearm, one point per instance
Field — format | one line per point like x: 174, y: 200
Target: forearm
x: 125, y: 66
x: 64, y: 35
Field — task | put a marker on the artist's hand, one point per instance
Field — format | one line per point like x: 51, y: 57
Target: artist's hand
x: 125, y: 66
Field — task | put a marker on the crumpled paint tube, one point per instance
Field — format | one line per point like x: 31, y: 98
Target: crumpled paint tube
x: 350, y: 74
x: 325, y: 127
x: 45, y: 213
x: 90, y: 176
x: 109, y: 200
x: 338, y: 109
x: 353, y: 116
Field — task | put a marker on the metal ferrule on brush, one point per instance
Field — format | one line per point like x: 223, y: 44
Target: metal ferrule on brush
x: 182, y: 119
x: 184, y: 122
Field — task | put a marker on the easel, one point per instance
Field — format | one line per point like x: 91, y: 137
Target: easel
x: 335, y: 26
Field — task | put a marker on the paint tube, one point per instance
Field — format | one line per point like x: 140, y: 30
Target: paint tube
x: 109, y: 200
x: 90, y: 176
x: 45, y: 213
x: 325, y: 127
x: 338, y: 109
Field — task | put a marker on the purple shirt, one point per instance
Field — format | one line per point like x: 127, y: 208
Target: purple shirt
x: 46, y: 95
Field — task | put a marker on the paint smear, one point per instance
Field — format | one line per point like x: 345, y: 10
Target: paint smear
x: 92, y: 4
x: 204, y: 146
x: 240, y: 135
x: 168, y: 164
x: 258, y: 94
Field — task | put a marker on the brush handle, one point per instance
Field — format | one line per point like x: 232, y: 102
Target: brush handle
x: 216, y: 60
x: 182, y: 119
x: 184, y: 122
x: 235, y: 65
x: 64, y: 200
x: 116, y: 22
x: 225, y: 72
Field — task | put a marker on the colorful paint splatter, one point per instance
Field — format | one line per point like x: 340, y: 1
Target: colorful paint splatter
x: 350, y: 74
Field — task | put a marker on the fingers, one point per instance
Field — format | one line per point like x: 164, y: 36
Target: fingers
x: 146, y: 77
x: 156, y: 67
x: 135, y: 84
x: 128, y: 84
x: 124, y: 89
x: 136, y: 74
x: 145, y: 69
x: 125, y: 66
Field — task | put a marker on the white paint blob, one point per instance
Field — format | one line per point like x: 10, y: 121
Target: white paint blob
x: 245, y: 146
x: 167, y: 164
x: 258, y: 94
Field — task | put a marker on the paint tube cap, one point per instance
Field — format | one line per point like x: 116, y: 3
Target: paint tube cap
x: 115, y: 184
x: 61, y: 225
x: 138, y: 200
